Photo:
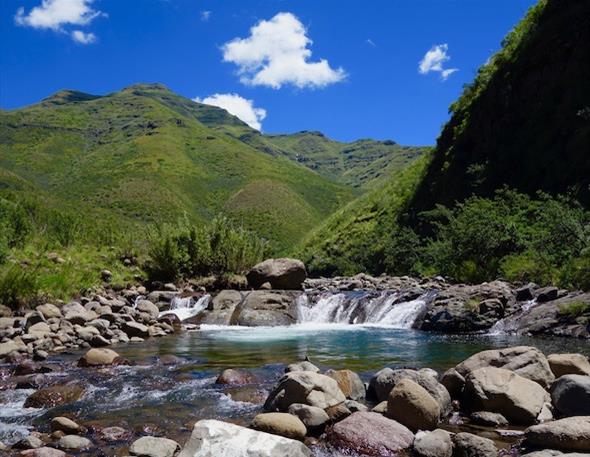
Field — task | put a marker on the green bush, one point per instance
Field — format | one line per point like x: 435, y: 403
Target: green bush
x: 574, y: 309
x: 18, y: 285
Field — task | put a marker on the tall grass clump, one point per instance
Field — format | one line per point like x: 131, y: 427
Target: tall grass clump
x: 18, y: 285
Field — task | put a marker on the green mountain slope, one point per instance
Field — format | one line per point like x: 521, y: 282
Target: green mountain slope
x: 145, y: 154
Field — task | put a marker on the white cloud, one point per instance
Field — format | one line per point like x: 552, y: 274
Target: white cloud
x: 276, y: 53
x: 83, y: 38
x: 434, y: 60
x: 205, y: 15
x: 55, y: 14
x: 238, y: 106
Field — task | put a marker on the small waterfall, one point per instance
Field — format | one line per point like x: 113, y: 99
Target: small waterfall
x: 361, y: 308
x: 137, y: 300
x: 509, y: 324
x: 187, y: 307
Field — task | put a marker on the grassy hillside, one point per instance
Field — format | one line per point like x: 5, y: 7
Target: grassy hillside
x: 147, y: 155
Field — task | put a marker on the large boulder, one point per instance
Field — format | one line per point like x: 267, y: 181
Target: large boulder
x: 267, y: 308
x: 147, y: 307
x: 569, y: 434
x: 497, y: 390
x: 48, y: 311
x: 281, y: 424
x: 216, y: 438
x: 220, y: 309
x: 469, y: 445
x: 411, y: 405
x: 151, y: 446
x: 562, y: 364
x: 99, y: 357
x: 349, y: 382
x: 570, y: 395
x: 370, y: 434
x: 307, y: 388
x: 302, y: 366
x: 525, y: 361
x: 315, y: 419
x: 287, y: 274
x: 383, y: 382
x: 49, y: 397
x: 437, y: 443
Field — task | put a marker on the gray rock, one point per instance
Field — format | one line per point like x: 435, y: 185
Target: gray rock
x: 212, y: 438
x: 349, y: 382
x: 282, y: 424
x: 42, y: 452
x: 151, y: 446
x: 135, y: 329
x: 488, y: 419
x: 562, y: 364
x: 287, y: 274
x: 469, y: 445
x: 48, y: 311
x: 63, y: 424
x: 7, y: 348
x: 570, y: 395
x: 302, y: 366
x: 267, y: 308
x: 569, y: 434
x: 437, y: 443
x: 146, y: 306
x: 29, y: 442
x: 315, y: 419
x: 411, y: 405
x: 74, y: 443
x: 355, y: 406
x: 454, y: 382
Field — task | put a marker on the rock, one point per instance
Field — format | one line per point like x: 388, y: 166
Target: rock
x: 287, y: 274
x: 216, y: 438
x: 469, y: 445
x: 562, y: 364
x: 569, y: 434
x: 233, y: 377
x: 43, y: 452
x: 370, y: 434
x: 355, y: 406
x: 135, y: 330
x: 150, y: 446
x: 546, y: 294
x: 315, y: 419
x: 114, y: 434
x: 437, y: 443
x: 50, y: 397
x: 74, y: 443
x: 525, y: 293
x: 497, y: 390
x: 549, y: 453
x: 385, y: 380
x: 453, y: 382
x: 40, y: 328
x: 106, y: 275
x: 570, y: 395
x: 302, y: 366
x: 29, y: 442
x: 267, y: 308
x: 380, y: 408
x: 49, y: 311
x: 304, y: 387
x: 488, y: 419
x: 146, y: 306
x: 338, y: 412
x: 281, y: 424
x: 411, y: 405
x: 7, y: 348
x: 525, y: 361
x: 98, y: 357
x: 63, y: 424
x: 349, y: 382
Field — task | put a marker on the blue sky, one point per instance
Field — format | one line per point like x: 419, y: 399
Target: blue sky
x: 347, y: 68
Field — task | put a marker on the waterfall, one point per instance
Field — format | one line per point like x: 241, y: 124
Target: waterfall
x: 509, y: 324
x: 187, y: 307
x: 382, y: 309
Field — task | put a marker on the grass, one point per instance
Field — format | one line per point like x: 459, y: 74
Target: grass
x: 574, y: 309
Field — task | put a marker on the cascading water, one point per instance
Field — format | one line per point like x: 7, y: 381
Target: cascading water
x: 509, y: 324
x: 381, y: 309
x: 187, y: 307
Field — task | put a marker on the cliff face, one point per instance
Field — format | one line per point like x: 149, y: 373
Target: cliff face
x: 525, y: 120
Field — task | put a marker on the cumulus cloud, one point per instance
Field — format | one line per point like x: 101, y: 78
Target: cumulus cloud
x: 434, y: 60
x: 239, y: 106
x: 56, y: 14
x: 205, y: 15
x: 277, y: 53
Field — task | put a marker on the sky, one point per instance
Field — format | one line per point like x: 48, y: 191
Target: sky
x: 383, y: 69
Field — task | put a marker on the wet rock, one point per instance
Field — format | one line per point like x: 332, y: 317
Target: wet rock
x: 43, y: 452
x: 411, y: 405
x: 286, y: 274
x: 216, y: 438
x: 525, y: 293
x: 135, y: 330
x: 562, y: 364
x: 315, y: 419
x: 49, y: 397
x: 74, y: 443
x: 99, y: 357
x: 64, y: 424
x: 497, y: 390
x: 349, y: 382
x: 546, y: 294
x: 151, y: 446
x: 266, y: 308
x: 570, y: 395
x: 247, y: 394
x: 114, y: 434
x: 169, y: 359
x: 233, y: 377
x: 437, y: 443
x: 29, y: 442
x: 525, y: 361
x: 569, y: 434
x: 302, y: 366
x: 488, y: 419
x: 453, y: 382
x: 281, y: 424
x: 304, y: 387
x: 469, y: 445
x: 370, y: 434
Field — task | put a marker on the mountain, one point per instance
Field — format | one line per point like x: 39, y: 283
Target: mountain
x: 523, y: 123
x: 146, y: 154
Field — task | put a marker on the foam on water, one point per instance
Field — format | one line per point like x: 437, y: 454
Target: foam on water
x: 13, y: 415
x: 187, y: 307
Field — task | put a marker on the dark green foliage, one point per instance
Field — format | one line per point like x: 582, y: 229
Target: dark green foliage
x: 18, y: 285
x: 403, y: 252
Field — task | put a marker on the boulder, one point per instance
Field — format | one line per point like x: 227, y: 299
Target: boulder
x: 302, y: 366
x: 146, y: 306
x: 220, y: 309
x: 497, y: 390
x: 31, y: 441
x: 151, y: 446
x: 315, y: 419
x: 74, y: 443
x: 281, y: 424
x: 469, y: 445
x: 135, y: 329
x: 49, y: 311
x: 99, y: 357
x: 370, y: 434
x: 411, y: 405
x: 304, y: 387
x: 8, y: 347
x: 546, y: 294
x: 287, y: 274
x: 63, y: 424
x: 562, y: 364
x: 488, y: 419
x: 453, y: 382
x: 216, y: 438
x: 338, y: 412
x: 349, y: 382
x: 233, y: 377
x: 49, y: 397
x: 569, y: 434
x: 437, y: 443
x: 570, y: 395
x: 267, y: 308
x: 42, y: 452
x: 525, y: 361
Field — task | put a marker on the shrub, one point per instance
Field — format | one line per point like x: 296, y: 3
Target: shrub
x: 18, y: 286
x: 574, y: 309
